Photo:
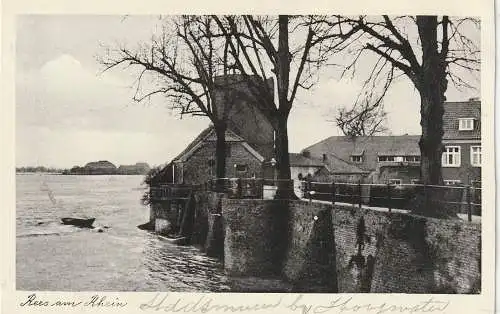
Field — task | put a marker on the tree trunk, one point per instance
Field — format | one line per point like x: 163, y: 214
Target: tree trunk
x: 285, y: 187
x: 220, y: 152
x: 432, y: 85
x: 284, y: 184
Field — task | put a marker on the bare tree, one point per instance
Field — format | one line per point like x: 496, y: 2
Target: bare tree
x: 429, y: 51
x: 186, y: 64
x: 289, y: 49
x: 362, y: 119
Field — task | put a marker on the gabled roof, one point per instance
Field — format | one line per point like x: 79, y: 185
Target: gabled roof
x: 299, y: 160
x: 343, y: 147
x: 208, y: 135
x: 453, y: 111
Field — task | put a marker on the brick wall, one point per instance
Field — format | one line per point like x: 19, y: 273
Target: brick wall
x: 347, y: 249
x: 310, y: 258
x: 465, y: 172
x: 197, y: 170
x: 255, y: 236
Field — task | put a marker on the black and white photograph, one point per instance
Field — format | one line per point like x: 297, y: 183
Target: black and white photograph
x: 268, y: 153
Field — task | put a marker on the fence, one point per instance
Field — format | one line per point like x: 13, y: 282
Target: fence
x: 462, y: 199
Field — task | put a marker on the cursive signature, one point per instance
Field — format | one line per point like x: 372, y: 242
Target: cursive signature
x: 338, y: 304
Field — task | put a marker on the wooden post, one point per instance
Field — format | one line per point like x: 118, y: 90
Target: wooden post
x: 469, y: 203
x: 389, y: 196
x: 239, y: 188
x: 333, y: 193
x: 359, y: 194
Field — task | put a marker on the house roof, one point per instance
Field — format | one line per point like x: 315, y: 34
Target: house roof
x: 208, y: 135
x: 343, y: 147
x: 453, y: 111
x: 336, y: 165
x: 298, y: 160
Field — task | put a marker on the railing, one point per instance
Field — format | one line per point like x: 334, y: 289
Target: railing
x: 165, y: 192
x: 248, y: 187
x: 462, y: 199
x: 392, y: 196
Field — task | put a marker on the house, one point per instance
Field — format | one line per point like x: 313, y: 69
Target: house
x: 462, y: 155
x: 249, y: 138
x: 196, y: 163
x: 370, y: 159
x: 302, y: 165
x: 138, y: 168
x: 396, y: 159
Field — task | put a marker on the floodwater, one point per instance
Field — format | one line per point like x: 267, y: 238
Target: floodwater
x: 52, y: 256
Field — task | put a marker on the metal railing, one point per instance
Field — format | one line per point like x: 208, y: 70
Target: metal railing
x: 462, y: 199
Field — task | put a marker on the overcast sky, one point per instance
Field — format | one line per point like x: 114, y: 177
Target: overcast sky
x: 67, y: 113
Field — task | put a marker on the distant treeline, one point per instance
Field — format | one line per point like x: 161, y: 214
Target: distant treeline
x: 40, y: 169
x: 101, y: 167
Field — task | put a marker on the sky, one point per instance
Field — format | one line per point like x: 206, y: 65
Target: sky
x: 69, y: 113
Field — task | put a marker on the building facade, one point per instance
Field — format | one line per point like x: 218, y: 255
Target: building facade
x: 396, y: 159
x: 462, y: 156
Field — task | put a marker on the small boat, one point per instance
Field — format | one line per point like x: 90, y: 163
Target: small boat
x: 79, y: 222
x: 175, y: 240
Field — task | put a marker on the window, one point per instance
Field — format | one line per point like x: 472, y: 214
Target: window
x: 415, y: 181
x: 398, y: 158
x: 357, y: 159
x: 385, y: 158
x: 412, y: 158
x: 395, y: 181
x: 451, y: 156
x: 452, y: 182
x: 241, y: 168
x: 228, y: 150
x: 466, y: 124
x: 475, y: 156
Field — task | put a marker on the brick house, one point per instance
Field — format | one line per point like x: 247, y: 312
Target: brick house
x: 462, y: 142
x: 249, y: 139
x: 196, y: 163
x: 396, y: 159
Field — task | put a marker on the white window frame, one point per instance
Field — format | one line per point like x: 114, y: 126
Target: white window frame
x: 412, y: 158
x: 387, y: 158
x: 479, y: 154
x: 466, y: 124
x: 393, y: 181
x: 452, y: 182
x: 456, y: 159
x: 353, y: 157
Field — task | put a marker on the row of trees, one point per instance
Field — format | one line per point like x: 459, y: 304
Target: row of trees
x: 184, y: 60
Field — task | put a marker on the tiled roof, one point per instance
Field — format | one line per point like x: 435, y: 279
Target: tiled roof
x: 301, y: 160
x: 343, y: 147
x: 453, y: 111
x: 208, y: 135
x: 336, y: 165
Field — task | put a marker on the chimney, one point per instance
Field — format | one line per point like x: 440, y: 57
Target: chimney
x: 306, y: 153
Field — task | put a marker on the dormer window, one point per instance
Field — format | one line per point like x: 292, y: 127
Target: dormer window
x: 357, y: 159
x: 466, y: 124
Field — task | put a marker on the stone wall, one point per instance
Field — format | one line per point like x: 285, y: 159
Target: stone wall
x: 255, y: 236
x: 326, y: 248
x: 310, y: 258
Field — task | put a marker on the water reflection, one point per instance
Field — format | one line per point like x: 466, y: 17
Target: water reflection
x: 182, y: 268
